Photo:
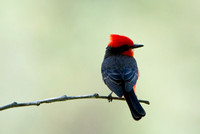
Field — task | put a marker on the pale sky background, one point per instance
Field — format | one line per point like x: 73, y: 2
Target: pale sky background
x: 49, y: 48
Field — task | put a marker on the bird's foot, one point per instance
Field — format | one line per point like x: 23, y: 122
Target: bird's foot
x: 110, y: 97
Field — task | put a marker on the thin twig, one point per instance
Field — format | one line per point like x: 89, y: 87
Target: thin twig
x: 62, y: 98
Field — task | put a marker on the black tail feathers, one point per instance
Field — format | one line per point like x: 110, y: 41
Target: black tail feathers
x: 136, y: 109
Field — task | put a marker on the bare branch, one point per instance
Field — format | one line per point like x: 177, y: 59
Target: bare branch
x: 62, y: 98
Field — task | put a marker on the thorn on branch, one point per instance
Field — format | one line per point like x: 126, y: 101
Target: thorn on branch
x: 96, y: 95
x: 14, y: 103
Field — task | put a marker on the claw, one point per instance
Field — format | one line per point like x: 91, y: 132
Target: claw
x: 110, y: 97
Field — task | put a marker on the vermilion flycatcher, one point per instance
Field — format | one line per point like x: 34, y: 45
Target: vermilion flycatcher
x: 120, y: 72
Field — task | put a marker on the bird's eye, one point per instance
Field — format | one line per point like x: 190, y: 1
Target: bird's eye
x: 125, y: 46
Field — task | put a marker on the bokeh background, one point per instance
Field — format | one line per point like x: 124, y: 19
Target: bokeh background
x: 49, y: 48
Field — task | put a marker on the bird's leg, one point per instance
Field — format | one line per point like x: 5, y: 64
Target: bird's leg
x: 110, y: 97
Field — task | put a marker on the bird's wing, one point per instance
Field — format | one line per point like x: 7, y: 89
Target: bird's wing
x: 130, y: 76
x: 113, y: 79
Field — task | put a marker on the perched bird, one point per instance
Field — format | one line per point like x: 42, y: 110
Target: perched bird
x: 120, y: 72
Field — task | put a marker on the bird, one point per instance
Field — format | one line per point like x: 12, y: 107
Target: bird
x: 120, y: 72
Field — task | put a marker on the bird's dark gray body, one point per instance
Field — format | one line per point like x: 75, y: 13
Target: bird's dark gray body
x: 118, y: 68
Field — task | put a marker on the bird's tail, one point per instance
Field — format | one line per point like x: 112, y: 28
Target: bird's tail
x: 136, y: 109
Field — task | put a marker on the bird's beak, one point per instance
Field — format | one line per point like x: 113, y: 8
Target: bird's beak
x: 137, y: 46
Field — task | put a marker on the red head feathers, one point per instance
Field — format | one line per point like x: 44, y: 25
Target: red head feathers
x: 120, y: 40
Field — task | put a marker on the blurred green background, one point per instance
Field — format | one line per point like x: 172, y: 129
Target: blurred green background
x: 49, y: 48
